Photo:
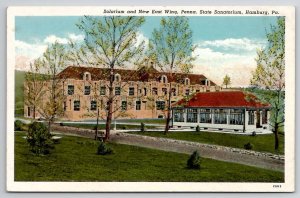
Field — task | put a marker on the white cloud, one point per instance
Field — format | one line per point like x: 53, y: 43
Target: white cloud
x: 52, y: 39
x: 140, y: 38
x: 235, y: 57
x: 76, y: 38
x: 31, y: 51
x: 243, y: 44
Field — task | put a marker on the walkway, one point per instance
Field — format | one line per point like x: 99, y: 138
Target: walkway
x: 228, y: 154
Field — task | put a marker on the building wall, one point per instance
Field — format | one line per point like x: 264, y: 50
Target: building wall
x: 148, y: 108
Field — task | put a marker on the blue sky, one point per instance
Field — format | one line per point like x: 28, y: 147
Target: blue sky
x: 225, y: 44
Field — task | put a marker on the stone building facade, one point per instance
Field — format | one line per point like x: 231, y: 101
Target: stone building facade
x: 138, y: 93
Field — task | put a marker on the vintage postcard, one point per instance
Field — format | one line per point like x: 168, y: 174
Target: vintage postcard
x: 151, y: 99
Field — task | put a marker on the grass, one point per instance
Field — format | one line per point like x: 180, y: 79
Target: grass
x: 263, y: 143
x: 102, y: 126
x: 19, y: 92
x: 75, y: 159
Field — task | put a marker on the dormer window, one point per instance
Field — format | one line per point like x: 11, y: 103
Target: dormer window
x: 187, y: 81
x: 86, y: 76
x: 164, y: 79
x: 117, y: 77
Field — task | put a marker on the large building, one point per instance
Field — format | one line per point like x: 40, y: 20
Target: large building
x: 138, y: 93
x: 228, y: 110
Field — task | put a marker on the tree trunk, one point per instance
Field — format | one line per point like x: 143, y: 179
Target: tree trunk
x: 97, y: 123
x: 109, y: 108
x: 276, y: 136
x: 168, y: 111
x: 34, y: 112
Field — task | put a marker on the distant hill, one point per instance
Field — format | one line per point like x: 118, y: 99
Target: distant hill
x: 19, y: 96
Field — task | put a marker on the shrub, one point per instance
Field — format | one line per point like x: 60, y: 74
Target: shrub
x: 142, y: 127
x: 194, y: 161
x: 103, y: 149
x: 61, y: 124
x: 248, y: 146
x: 197, y: 128
x: 124, y: 127
x: 39, y: 139
x: 18, y: 125
x: 253, y: 133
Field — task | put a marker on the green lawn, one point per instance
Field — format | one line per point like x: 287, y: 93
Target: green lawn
x: 19, y: 92
x: 264, y: 143
x: 74, y: 159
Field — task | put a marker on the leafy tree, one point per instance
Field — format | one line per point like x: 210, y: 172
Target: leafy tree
x: 111, y: 42
x: 39, y: 139
x: 33, y: 86
x: 171, y: 47
x: 226, y: 81
x: 269, y: 77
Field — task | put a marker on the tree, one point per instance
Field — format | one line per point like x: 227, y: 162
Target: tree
x: 110, y: 42
x: 171, y: 47
x: 33, y: 86
x: 226, y: 81
x: 269, y: 76
x: 53, y: 60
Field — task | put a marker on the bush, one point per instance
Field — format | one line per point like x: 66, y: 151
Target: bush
x: 61, y: 124
x: 18, y: 125
x: 194, y: 161
x: 197, y: 128
x: 248, y: 146
x: 142, y: 127
x: 103, y: 149
x: 253, y: 133
x: 124, y: 127
x: 39, y: 139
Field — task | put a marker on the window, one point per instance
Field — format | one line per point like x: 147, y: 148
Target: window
x: 264, y: 117
x: 154, y: 91
x: 124, y: 105
x: 93, y: 105
x: 164, y: 79
x: 187, y: 92
x: 192, y: 115
x: 145, y: 91
x: 220, y: 116
x: 178, y: 115
x: 186, y: 81
x: 251, y: 118
x: 28, y: 111
x: 160, y: 105
x: 165, y: 91
x: 197, y: 90
x: 138, y: 105
x: 102, y: 91
x: 117, y: 78
x: 118, y: 91
x: 70, y: 89
x: 65, y: 105
x: 86, y: 76
x: 76, y: 105
x: 205, y: 116
x: 174, y: 91
x: 87, y: 90
x: 131, y: 91
x: 236, y: 117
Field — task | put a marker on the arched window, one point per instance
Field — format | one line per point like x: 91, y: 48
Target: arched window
x: 187, y: 81
x: 164, y: 79
x: 117, y: 77
x: 86, y: 76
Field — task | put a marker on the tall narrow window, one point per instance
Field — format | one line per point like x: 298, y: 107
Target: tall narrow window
x: 264, y: 117
x: 70, y: 89
x: 145, y: 91
x: 138, y: 105
x: 87, y: 90
x: 65, y: 105
x: 236, y: 117
x: 124, y: 105
x: 131, y: 91
x: 76, y: 105
x: 118, y: 91
x: 93, y: 105
x: 102, y: 91
x: 164, y: 91
x: 251, y: 118
x: 28, y: 111
x: 187, y: 92
x: 174, y: 91
x: 117, y: 78
x: 154, y: 91
x: 220, y: 116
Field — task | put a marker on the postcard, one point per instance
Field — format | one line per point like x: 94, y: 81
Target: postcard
x: 151, y: 99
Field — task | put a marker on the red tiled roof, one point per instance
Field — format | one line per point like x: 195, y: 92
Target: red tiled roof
x: 143, y: 74
x: 223, y: 99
